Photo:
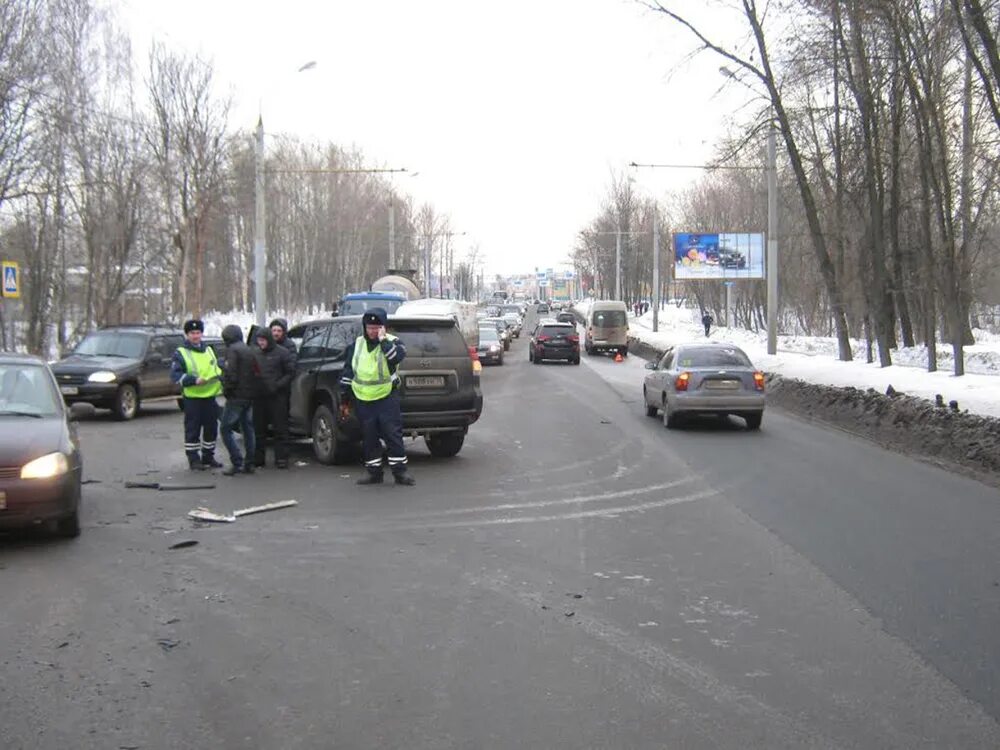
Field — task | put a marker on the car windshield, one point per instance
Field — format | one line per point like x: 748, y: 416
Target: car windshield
x: 112, y: 344
x: 430, y: 341
x: 487, y: 335
x: 360, y: 306
x: 609, y: 319
x: 27, y: 390
x: 708, y: 356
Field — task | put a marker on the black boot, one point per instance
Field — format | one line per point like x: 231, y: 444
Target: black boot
x: 194, y: 465
x: 210, y: 463
x: 403, y: 477
x: 249, y: 468
x: 371, y: 478
x: 232, y: 471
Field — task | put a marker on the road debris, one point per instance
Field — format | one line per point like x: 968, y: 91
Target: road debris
x: 91, y: 481
x: 575, y: 596
x: 185, y: 543
x: 205, y: 514
x: 166, y: 487
x: 168, y: 644
x: 569, y: 614
x: 301, y: 463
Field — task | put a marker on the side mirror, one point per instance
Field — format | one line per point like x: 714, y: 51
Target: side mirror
x: 651, y: 365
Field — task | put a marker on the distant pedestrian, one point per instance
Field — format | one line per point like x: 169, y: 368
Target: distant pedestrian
x: 276, y: 366
x: 645, y: 308
x: 241, y: 384
x: 369, y: 380
x: 195, y: 368
x: 706, y: 320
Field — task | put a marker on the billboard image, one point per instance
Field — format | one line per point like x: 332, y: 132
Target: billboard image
x: 726, y: 255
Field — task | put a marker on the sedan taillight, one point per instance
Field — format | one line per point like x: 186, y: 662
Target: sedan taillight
x: 574, y: 338
x: 758, y: 380
x: 544, y: 338
x: 682, y: 381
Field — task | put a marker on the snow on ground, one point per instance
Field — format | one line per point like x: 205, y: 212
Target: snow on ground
x: 813, y: 359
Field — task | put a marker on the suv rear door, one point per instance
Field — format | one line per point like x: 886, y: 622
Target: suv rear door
x: 437, y: 372
x: 311, y: 341
x: 154, y: 373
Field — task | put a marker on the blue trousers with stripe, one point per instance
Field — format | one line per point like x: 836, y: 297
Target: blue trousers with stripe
x: 383, y: 420
x: 201, y: 428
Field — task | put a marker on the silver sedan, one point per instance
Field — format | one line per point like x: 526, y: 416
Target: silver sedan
x: 712, y: 379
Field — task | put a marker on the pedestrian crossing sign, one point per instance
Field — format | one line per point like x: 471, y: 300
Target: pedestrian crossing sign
x: 11, y: 279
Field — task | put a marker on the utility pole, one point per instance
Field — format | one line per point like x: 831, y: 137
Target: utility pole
x: 656, y: 271
x: 392, y: 232
x: 618, y: 262
x: 259, y: 256
x: 427, y: 266
x: 772, y: 242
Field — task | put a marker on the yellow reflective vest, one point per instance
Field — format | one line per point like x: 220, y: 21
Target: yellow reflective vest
x: 202, y: 365
x: 372, y: 379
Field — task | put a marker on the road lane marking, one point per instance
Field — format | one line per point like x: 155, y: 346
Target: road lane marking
x: 558, y: 501
x: 598, y: 513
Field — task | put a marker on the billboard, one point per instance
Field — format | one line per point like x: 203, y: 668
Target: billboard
x: 727, y: 255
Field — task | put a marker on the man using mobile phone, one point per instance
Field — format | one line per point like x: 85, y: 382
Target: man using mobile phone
x: 369, y: 380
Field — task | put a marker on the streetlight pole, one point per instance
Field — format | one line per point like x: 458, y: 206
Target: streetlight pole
x: 618, y: 262
x: 656, y: 271
x: 772, y: 242
x: 259, y: 253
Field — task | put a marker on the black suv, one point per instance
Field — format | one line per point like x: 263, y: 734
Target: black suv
x: 439, y: 387
x: 119, y: 367
x: 554, y: 340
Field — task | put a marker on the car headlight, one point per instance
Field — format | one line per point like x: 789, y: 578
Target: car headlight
x: 494, y: 348
x: 46, y: 467
x: 102, y: 376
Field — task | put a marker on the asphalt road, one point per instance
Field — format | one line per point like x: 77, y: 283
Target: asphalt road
x: 578, y: 577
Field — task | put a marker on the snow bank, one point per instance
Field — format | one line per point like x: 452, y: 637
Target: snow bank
x: 813, y: 359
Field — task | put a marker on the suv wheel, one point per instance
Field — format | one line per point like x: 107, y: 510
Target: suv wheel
x: 326, y: 446
x: 445, y: 444
x: 126, y: 403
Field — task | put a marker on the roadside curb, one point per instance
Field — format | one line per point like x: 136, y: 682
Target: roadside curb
x: 905, y: 424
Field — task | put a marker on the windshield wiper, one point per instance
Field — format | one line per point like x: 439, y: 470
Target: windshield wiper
x: 5, y: 413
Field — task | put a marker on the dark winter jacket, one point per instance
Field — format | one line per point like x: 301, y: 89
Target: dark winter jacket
x: 275, y: 364
x: 178, y: 367
x: 394, y: 351
x: 241, y: 375
x: 285, y: 341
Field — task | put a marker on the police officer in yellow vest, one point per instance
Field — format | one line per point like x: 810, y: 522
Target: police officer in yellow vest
x: 369, y: 380
x: 195, y: 368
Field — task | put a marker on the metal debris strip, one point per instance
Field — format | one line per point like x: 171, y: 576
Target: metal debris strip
x: 205, y: 514
x: 166, y: 487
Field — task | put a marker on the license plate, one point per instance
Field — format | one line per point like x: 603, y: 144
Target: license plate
x: 722, y: 385
x: 69, y: 390
x: 427, y: 381
x: 3, y: 501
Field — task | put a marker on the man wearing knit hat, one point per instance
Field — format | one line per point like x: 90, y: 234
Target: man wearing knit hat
x: 195, y: 368
x: 369, y: 379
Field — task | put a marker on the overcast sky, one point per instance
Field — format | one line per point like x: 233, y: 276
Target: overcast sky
x: 514, y: 113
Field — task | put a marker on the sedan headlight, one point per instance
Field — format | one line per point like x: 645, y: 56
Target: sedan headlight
x: 102, y: 376
x: 46, y: 467
x: 494, y: 348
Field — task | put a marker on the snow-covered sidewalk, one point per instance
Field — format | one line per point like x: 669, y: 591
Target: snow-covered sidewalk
x: 814, y: 360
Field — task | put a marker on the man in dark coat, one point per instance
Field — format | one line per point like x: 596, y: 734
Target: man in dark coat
x: 279, y: 332
x: 369, y: 380
x: 241, y: 384
x: 276, y: 366
x: 706, y: 320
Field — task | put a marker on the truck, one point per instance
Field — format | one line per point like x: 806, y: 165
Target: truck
x: 387, y: 292
x: 464, y: 314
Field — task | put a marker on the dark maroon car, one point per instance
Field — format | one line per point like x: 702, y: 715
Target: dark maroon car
x: 40, y: 463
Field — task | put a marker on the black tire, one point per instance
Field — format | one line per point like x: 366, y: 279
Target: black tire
x: 537, y: 360
x: 326, y: 447
x: 126, y: 403
x: 576, y: 360
x: 506, y: 345
x: 590, y: 351
x: 445, y: 444
x: 69, y: 527
x: 500, y: 361
x: 623, y: 352
x: 651, y: 411
x: 670, y: 420
x: 753, y: 420
x: 531, y: 354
